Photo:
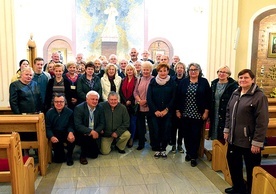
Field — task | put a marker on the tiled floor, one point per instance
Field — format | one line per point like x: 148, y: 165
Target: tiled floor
x: 133, y: 172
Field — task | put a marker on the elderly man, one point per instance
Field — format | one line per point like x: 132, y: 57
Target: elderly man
x: 89, y: 123
x: 60, y: 130
x: 175, y: 60
x: 117, y: 123
x: 133, y: 55
x: 164, y: 59
x: 145, y: 56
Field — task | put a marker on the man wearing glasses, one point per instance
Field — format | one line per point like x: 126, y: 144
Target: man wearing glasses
x: 60, y: 130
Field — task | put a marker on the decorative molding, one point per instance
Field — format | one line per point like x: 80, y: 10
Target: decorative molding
x: 56, y: 38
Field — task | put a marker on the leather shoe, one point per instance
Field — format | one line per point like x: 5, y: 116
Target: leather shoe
x: 140, y: 147
x: 193, y: 163
x: 120, y: 151
x: 70, y: 162
x: 130, y: 145
x: 188, y: 158
x: 231, y: 190
x: 83, y: 161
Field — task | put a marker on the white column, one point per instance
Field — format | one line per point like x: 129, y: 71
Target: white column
x: 223, y: 35
x: 7, y: 49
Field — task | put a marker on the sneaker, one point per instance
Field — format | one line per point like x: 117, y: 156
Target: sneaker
x: 180, y: 149
x: 157, y: 155
x: 173, y: 149
x: 163, y: 155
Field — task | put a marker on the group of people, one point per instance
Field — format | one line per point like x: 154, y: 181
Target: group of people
x: 110, y: 105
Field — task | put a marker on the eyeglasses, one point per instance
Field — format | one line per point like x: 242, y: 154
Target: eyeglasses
x: 58, y: 102
x: 193, y: 70
x: 223, y: 72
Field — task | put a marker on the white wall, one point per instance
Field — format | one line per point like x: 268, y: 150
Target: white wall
x: 183, y: 23
x: 42, y: 18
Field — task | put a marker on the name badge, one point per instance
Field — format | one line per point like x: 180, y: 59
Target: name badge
x: 73, y: 87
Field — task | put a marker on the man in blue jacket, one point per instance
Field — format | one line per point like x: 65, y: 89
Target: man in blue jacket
x: 60, y: 130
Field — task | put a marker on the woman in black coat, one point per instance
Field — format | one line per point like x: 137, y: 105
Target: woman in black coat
x: 193, y: 105
x: 222, y: 89
x: 57, y: 85
x: 160, y: 99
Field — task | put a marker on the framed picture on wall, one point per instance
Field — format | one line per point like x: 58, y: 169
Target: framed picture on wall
x: 272, y: 45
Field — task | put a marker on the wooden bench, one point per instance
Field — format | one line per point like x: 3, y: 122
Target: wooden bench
x: 271, y: 132
x: 5, y: 110
x: 219, y: 151
x: 30, y: 123
x: 219, y: 160
x: 272, y: 111
x: 271, y: 101
x: 20, y: 175
x: 263, y: 180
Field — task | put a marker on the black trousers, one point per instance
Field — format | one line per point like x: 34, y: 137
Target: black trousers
x: 161, y: 132
x: 192, y: 133
x: 89, y: 146
x: 141, y: 127
x: 235, y: 156
x: 58, y: 148
x: 176, y: 130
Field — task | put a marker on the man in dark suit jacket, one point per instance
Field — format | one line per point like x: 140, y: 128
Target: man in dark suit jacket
x: 89, y: 123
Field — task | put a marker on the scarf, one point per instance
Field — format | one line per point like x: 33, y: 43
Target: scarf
x: 90, y: 83
x: 112, y: 84
x: 161, y: 81
x: 72, y: 79
x: 128, y: 87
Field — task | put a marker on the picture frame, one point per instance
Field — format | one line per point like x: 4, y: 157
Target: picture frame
x: 272, y: 45
x: 63, y: 54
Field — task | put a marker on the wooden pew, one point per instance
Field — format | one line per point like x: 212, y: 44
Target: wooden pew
x: 20, y: 175
x: 30, y: 123
x: 263, y: 181
x: 219, y: 151
x: 272, y: 111
x: 219, y: 160
x: 271, y: 101
x: 271, y: 132
x: 5, y: 110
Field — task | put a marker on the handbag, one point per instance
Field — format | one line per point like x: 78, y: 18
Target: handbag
x: 136, y: 108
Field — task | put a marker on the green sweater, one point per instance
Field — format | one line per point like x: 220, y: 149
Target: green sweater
x: 116, y: 121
